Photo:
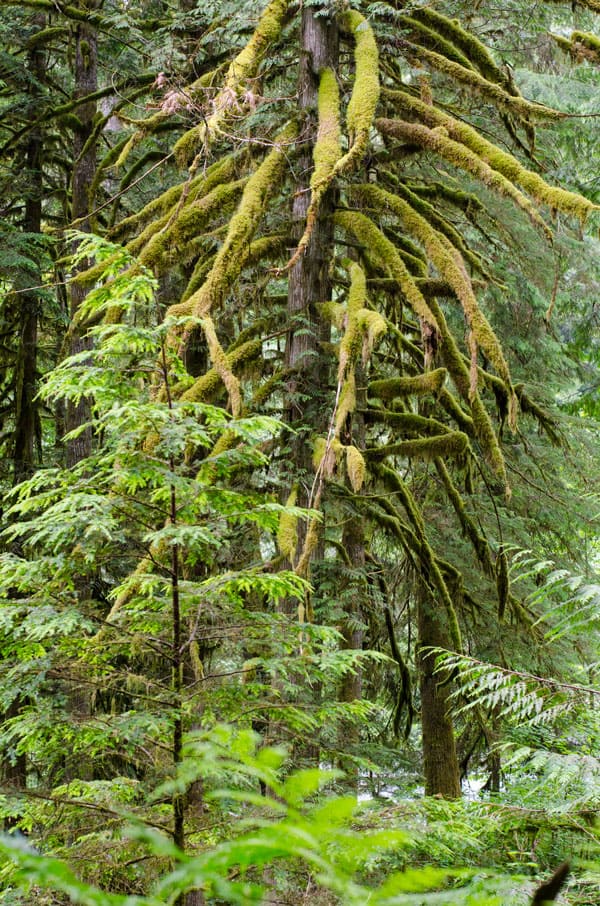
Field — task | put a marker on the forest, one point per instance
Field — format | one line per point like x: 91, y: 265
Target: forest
x: 299, y: 452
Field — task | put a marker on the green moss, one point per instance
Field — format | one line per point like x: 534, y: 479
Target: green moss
x: 432, y: 39
x: 406, y: 423
x: 207, y: 384
x: 365, y: 92
x: 230, y: 258
x: 502, y: 582
x: 158, y: 253
x: 242, y: 68
x: 451, y: 445
x: 355, y: 467
x: 475, y: 52
x: 386, y: 254
x: 501, y: 161
x: 509, y: 103
x: 419, y: 385
x: 451, y: 267
x: 482, y: 425
x: 431, y: 569
x: 222, y: 171
x: 326, y: 153
x: 442, y: 225
x: 468, y: 525
x: 438, y: 141
x: 287, y: 533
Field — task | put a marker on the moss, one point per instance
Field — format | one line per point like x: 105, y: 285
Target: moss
x: 169, y: 242
x: 365, y: 92
x: 419, y: 385
x: 502, y: 582
x: 451, y: 445
x: 482, y: 425
x: 514, y: 104
x: 242, y: 68
x: 431, y: 38
x: 462, y: 157
x: 347, y: 402
x: 451, y: 267
x: 384, y: 251
x: 230, y: 257
x: 207, y: 384
x: 466, y: 43
x: 355, y: 467
x: 222, y: 365
x: 406, y: 423
x: 326, y: 153
x: 431, y: 214
x: 431, y: 569
x: 287, y: 532
x: 468, y: 525
x: 501, y: 161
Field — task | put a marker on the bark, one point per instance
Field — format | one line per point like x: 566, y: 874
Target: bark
x: 440, y: 762
x: 309, y: 281
x: 86, y: 82
x: 26, y: 414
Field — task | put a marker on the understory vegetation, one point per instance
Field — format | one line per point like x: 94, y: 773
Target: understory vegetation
x: 299, y: 594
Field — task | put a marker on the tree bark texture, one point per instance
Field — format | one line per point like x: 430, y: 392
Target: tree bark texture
x: 440, y: 762
x: 84, y: 168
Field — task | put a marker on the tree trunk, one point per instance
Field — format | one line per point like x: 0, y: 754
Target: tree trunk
x: 26, y: 416
x: 440, y: 762
x: 86, y: 82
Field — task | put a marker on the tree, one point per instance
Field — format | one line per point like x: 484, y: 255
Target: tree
x: 328, y: 263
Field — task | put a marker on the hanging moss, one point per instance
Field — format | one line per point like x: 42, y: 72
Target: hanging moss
x: 419, y: 385
x: 347, y: 402
x: 229, y: 259
x: 477, y: 53
x: 451, y: 267
x: 468, y: 525
x: 482, y: 424
x: 441, y: 224
x: 355, y: 467
x: 510, y: 103
x: 438, y: 141
x: 383, y: 250
x: 222, y: 366
x: 432, y: 571
x: 502, y: 582
x: 365, y: 92
x: 287, y: 533
x: 224, y: 170
x: 431, y: 38
x: 405, y: 423
x: 451, y: 445
x: 157, y: 254
x: 241, y: 70
x: 560, y: 199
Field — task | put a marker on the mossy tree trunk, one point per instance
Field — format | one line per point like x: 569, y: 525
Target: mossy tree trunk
x: 440, y: 761
x: 309, y: 280
x: 84, y: 168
